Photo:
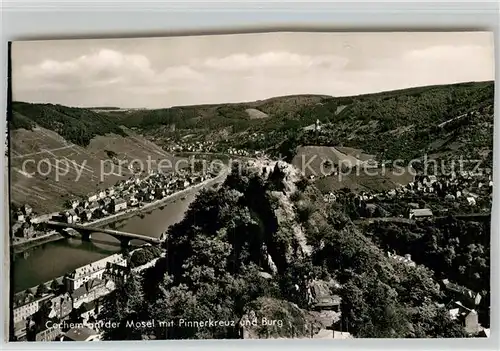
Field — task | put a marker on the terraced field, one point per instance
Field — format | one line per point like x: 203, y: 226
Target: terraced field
x: 377, y: 180
x: 309, y: 160
x: 45, y: 169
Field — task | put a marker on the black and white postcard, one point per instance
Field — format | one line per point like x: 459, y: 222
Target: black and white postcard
x: 281, y: 185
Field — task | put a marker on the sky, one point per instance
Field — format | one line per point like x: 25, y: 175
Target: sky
x: 189, y: 70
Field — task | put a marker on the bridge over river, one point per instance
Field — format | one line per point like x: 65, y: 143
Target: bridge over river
x: 86, y: 233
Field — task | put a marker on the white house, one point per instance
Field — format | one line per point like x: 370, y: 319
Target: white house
x: 471, y: 200
x: 27, y: 209
x: 420, y: 213
x: 29, y: 307
x: 71, y: 216
x: 20, y: 216
x: 91, y: 271
x: 119, y: 205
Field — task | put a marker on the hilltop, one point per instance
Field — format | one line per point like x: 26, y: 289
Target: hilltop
x: 422, y: 104
x: 395, y: 124
x: 76, y: 125
x: 444, y: 122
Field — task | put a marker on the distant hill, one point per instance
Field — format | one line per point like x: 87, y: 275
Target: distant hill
x: 217, y: 116
x: 444, y: 122
x: 78, y: 125
x: 393, y: 124
x: 410, y: 104
x: 441, y: 121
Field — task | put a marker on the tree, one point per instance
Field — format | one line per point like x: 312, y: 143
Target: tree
x: 41, y: 290
x: 434, y: 322
x: 124, y: 304
x: 54, y: 286
x: 371, y: 309
x: 41, y: 317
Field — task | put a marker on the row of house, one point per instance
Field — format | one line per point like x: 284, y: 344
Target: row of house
x: 465, y: 188
x: 82, y: 286
x: 211, y: 147
x: 129, y: 193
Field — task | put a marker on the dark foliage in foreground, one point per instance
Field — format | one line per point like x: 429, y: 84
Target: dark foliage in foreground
x: 215, y: 254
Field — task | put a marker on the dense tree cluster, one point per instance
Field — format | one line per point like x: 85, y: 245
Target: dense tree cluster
x: 77, y: 125
x: 144, y: 255
x: 216, y: 256
x: 212, y: 266
x: 457, y: 250
x: 19, y: 121
x: 381, y: 297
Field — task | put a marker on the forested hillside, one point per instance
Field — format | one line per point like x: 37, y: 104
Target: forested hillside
x: 402, y: 124
x: 77, y: 125
x: 211, y: 271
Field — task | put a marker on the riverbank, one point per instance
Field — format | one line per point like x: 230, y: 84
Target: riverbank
x: 21, y: 246
x: 155, y: 204
x: 60, y: 279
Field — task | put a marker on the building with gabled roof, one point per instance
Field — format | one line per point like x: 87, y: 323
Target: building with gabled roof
x: 420, y: 213
x: 469, y: 297
x: 321, y: 298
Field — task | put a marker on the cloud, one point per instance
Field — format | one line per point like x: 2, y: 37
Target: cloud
x: 273, y: 60
x: 102, y: 68
x: 112, y: 77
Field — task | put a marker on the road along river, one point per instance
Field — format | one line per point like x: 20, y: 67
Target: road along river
x: 54, y: 259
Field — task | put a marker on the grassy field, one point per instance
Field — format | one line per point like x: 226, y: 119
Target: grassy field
x: 373, y: 179
x: 46, y: 150
x: 377, y: 181
x: 315, y: 156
